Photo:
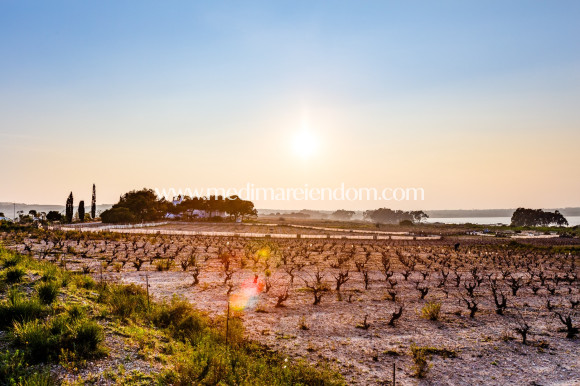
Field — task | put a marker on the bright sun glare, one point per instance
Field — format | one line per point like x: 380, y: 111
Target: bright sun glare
x: 305, y: 144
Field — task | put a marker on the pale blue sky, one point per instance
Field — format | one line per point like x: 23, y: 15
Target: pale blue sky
x: 474, y: 101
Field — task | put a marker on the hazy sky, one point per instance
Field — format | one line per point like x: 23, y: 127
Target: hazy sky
x: 477, y: 102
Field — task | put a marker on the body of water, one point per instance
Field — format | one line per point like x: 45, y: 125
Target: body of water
x: 572, y: 220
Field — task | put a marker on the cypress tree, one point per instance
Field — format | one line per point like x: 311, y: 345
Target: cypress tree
x: 82, y: 211
x: 94, y: 203
x: 69, y: 208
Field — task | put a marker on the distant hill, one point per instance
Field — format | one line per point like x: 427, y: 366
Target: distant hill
x: 454, y: 213
x: 445, y: 213
x: 8, y: 209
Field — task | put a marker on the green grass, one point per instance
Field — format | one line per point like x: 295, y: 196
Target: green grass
x: 47, y: 291
x: 14, y: 370
x: 19, y: 308
x: 14, y: 274
x: 57, y: 317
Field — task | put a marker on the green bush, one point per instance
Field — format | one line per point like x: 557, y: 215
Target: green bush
x: 12, y: 367
x: 75, y: 312
x: 118, y: 215
x: 89, y: 336
x: 82, y: 281
x: 209, y: 364
x: 20, y: 309
x: 43, y: 340
x: 125, y: 301
x: 10, y: 259
x: 180, y: 318
x: 14, y: 370
x: 47, y: 291
x: 14, y: 274
x: 49, y: 272
x: 36, y: 338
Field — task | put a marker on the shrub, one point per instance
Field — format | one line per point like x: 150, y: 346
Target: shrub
x: 163, y: 265
x: 15, y: 371
x: 182, y: 320
x: 251, y: 364
x: 75, y: 312
x: 14, y: 274
x: 431, y: 311
x: 117, y: 215
x: 10, y: 259
x: 43, y: 340
x: 89, y: 336
x: 421, y: 361
x: 126, y: 301
x: 50, y: 272
x: 47, y: 292
x: 35, y: 336
x: 20, y: 309
x: 83, y: 281
x: 12, y: 367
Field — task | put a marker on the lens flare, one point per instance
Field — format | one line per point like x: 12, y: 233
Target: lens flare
x: 248, y: 295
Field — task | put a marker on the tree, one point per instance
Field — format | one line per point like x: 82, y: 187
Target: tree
x: 142, y: 205
x: 117, y: 215
x: 537, y: 217
x: 389, y: 216
x: 94, y: 203
x: 53, y: 215
x: 342, y: 214
x: 82, y: 211
x: 33, y: 213
x: 239, y: 208
x: 69, y: 208
x: 419, y: 215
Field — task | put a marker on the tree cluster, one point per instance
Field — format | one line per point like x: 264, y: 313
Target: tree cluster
x: 389, y: 216
x: 537, y: 217
x: 144, y: 205
x: 342, y: 214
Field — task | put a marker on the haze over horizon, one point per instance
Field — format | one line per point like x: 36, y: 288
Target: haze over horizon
x: 476, y: 103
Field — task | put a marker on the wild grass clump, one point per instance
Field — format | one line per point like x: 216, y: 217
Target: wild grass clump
x: 164, y: 265
x: 82, y: 281
x: 43, y: 340
x: 50, y: 272
x: 179, y: 318
x: 431, y: 311
x: 19, y: 308
x: 14, y: 274
x: 209, y: 363
x: 47, y: 292
x: 14, y: 370
x: 9, y: 259
x: 125, y: 301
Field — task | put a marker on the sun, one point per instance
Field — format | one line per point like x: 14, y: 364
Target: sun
x: 305, y: 144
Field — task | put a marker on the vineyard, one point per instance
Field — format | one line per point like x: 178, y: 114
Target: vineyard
x: 451, y: 310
